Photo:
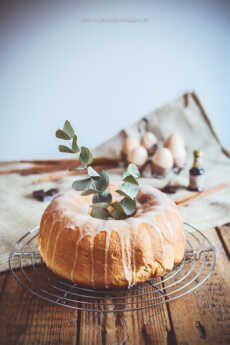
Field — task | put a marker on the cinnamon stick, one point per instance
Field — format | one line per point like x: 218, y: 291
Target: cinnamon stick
x: 70, y: 173
x: 48, y: 161
x: 3, y: 163
x: 61, y: 165
x: 33, y: 170
x: 40, y: 169
x: 10, y: 171
x: 186, y: 200
x: 70, y: 162
x: 59, y: 176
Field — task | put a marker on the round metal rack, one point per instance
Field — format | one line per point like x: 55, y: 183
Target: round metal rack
x: 197, y: 265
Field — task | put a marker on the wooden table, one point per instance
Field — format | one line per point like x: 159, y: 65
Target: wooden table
x: 26, y: 319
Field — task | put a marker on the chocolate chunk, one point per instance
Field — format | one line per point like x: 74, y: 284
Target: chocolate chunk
x: 52, y: 191
x: 39, y: 194
x: 169, y: 189
x: 201, y: 330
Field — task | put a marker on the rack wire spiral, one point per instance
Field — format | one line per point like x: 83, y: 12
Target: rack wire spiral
x: 197, y: 265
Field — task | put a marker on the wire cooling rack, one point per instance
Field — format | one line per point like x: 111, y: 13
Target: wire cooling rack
x: 197, y: 265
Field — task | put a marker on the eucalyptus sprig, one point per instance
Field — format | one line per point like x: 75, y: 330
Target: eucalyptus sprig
x: 98, y: 181
x: 129, y: 189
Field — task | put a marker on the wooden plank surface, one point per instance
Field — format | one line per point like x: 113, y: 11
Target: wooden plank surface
x: 146, y: 326
x: 151, y: 325
x: 209, y: 305
x: 26, y: 320
x: 141, y: 327
x: 202, y: 317
x: 224, y: 236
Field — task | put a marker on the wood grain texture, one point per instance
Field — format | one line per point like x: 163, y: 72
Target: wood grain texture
x: 26, y: 320
x: 224, y: 236
x: 90, y: 328
x: 3, y: 280
x: 114, y: 326
x: 210, y: 305
x: 148, y: 326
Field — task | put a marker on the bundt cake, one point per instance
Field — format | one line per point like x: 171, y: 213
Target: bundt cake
x: 111, y: 253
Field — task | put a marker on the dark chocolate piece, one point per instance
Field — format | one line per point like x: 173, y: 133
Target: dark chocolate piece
x: 52, y: 191
x: 169, y: 189
x: 201, y: 330
x: 39, y: 194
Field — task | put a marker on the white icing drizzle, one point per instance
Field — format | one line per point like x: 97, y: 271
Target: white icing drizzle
x: 55, y: 244
x: 129, y: 266
x: 134, y: 262
x: 92, y: 260
x: 49, y: 235
x: 75, y: 258
x: 156, y: 227
x: 74, y: 208
x: 168, y: 225
x: 107, y: 240
x: 124, y: 260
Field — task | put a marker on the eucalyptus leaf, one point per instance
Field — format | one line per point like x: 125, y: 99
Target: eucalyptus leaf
x: 132, y: 170
x: 129, y: 190
x: 130, y: 179
x: 75, y: 147
x: 86, y: 184
x: 68, y: 129
x: 91, y: 185
x: 86, y: 157
x: 101, y: 213
x: 63, y: 148
x: 100, y: 204
x: 105, y: 196
x: 128, y: 206
x: 62, y: 135
x: 118, y: 212
x: 92, y: 172
x: 88, y: 192
x: 103, y: 182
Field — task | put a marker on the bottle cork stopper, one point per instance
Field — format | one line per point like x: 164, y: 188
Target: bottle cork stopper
x: 197, y: 153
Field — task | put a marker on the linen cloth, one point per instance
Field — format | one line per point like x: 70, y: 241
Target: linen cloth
x: 19, y: 212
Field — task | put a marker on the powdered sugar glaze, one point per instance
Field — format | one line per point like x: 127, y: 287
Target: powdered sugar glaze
x: 150, y: 202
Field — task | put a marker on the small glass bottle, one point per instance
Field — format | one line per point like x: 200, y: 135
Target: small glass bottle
x: 196, y: 173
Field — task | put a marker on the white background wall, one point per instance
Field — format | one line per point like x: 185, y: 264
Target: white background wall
x: 104, y: 64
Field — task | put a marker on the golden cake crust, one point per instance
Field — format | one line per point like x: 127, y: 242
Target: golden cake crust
x: 111, y: 253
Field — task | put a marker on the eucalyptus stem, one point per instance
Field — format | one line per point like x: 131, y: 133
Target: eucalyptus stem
x: 97, y: 182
